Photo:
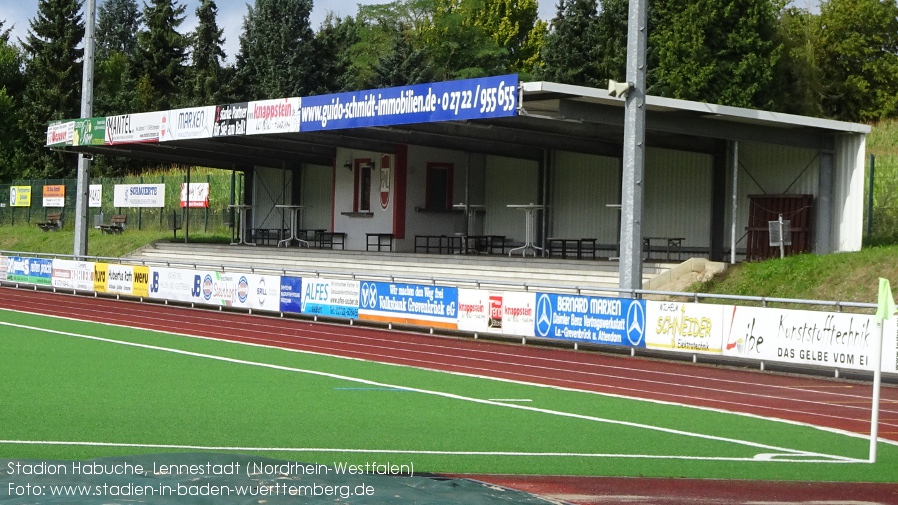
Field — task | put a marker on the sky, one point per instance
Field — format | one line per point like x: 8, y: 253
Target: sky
x: 230, y: 15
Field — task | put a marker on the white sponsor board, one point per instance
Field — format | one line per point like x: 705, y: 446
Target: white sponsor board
x: 684, y: 327
x: 890, y: 345
x: 498, y: 312
x: 192, y: 123
x: 836, y: 340
x: 133, y: 128
x: 70, y: 274
x: 330, y: 297
x: 138, y: 195
x: 175, y: 284
x: 120, y: 279
x: 3, y: 267
x: 274, y: 116
x: 61, y: 134
x: 95, y: 196
x: 230, y: 289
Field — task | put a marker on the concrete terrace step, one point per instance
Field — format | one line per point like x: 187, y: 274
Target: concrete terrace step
x: 469, y: 268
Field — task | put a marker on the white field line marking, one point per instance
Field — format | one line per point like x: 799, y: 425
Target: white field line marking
x: 467, y: 374
x: 767, y: 457
x: 432, y: 393
x: 512, y: 400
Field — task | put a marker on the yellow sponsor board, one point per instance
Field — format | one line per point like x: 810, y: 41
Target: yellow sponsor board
x: 141, y: 284
x: 20, y: 196
x: 101, y: 277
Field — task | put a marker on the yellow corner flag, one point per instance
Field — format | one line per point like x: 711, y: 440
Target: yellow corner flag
x: 886, y: 303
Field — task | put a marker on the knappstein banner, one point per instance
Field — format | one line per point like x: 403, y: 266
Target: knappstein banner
x: 828, y: 339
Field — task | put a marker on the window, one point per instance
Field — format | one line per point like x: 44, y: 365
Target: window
x: 439, y: 186
x: 362, y: 196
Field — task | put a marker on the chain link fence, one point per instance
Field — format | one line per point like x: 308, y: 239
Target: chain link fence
x: 217, y: 217
x: 881, y: 197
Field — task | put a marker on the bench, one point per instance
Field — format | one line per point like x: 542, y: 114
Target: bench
x: 331, y: 239
x: 381, y: 241
x: 668, y: 245
x: 440, y: 244
x: 486, y: 244
x: 175, y: 224
x: 564, y: 247
x: 53, y: 222
x: 116, y: 224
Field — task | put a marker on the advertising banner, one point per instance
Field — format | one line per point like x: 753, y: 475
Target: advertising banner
x: 95, y: 195
x: 479, y: 310
x: 127, y: 280
x: 890, y: 345
x: 30, y: 270
x: 192, y: 123
x: 273, y: 116
x: 138, y: 195
x: 229, y: 289
x: 70, y: 274
x: 837, y: 340
x: 425, y: 305
x: 54, y: 195
x: 487, y: 97
x: 230, y: 120
x: 134, y: 128
x: 291, y: 294
x: 90, y: 132
x: 329, y: 297
x: 20, y: 196
x: 684, y: 327
x: 3, y: 267
x: 199, y: 195
x: 607, y: 321
x: 61, y: 134
x: 101, y: 277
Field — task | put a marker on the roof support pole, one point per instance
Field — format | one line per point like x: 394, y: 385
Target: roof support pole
x: 634, y: 150
x: 87, y: 105
x: 735, y: 202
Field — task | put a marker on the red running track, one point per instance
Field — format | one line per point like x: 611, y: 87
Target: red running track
x: 825, y: 402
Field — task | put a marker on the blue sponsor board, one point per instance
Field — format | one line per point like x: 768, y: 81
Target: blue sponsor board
x: 608, y: 321
x: 291, y: 294
x: 31, y: 270
x: 431, y: 303
x: 487, y: 97
x: 331, y: 297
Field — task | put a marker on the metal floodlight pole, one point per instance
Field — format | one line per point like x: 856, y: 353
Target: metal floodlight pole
x: 87, y: 105
x: 634, y: 150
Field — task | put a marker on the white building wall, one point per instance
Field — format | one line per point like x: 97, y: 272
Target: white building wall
x: 419, y: 221
x: 848, y: 200
x: 509, y: 181
x: 355, y: 226
x: 677, y: 197
x: 317, y: 196
x: 583, y: 186
x: 271, y: 186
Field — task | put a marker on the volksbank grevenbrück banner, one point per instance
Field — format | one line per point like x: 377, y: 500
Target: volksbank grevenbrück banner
x: 608, y: 321
x: 487, y: 97
x: 425, y: 305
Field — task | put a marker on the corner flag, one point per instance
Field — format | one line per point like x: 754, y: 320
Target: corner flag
x: 886, y: 303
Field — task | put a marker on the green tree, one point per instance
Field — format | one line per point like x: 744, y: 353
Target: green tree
x: 53, y: 84
x: 333, y: 41
x: 118, y: 22
x: 570, y: 53
x: 205, y: 81
x: 404, y: 63
x: 277, y: 55
x: 513, y: 25
x: 859, y: 58
x: 717, y: 51
x: 12, y: 82
x: 161, y: 54
x: 799, y: 81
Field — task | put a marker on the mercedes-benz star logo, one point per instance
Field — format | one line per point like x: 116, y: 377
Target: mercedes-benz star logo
x: 544, y: 314
x: 635, y: 322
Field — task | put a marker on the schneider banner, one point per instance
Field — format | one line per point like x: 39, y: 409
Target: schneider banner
x: 684, y: 327
x: 433, y: 306
x: 487, y: 97
x: 608, y: 321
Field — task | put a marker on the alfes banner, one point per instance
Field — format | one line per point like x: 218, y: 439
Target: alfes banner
x: 827, y: 339
x: 54, y: 195
x: 329, y: 297
x: 487, y: 97
x: 607, y: 321
x: 684, y: 327
x: 423, y: 305
x: 20, y: 196
x: 138, y: 195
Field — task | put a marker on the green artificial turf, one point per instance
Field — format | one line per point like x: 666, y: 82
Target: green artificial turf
x: 59, y: 387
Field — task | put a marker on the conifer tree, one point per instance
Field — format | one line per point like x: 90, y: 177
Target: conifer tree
x: 570, y: 51
x: 53, y: 84
x: 12, y: 82
x: 118, y: 22
x: 161, y: 55
x: 205, y: 82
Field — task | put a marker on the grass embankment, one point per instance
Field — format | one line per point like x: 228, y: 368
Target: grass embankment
x: 32, y: 239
